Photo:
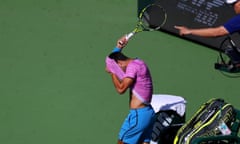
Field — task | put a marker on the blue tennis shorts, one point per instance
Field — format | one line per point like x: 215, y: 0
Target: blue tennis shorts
x: 137, y: 127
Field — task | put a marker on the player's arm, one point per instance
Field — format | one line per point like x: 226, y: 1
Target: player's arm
x: 203, y: 32
x: 121, y: 86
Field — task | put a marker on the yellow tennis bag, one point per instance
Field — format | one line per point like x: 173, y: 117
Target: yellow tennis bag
x: 213, y: 118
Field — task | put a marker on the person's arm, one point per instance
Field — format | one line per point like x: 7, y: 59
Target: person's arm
x: 121, y: 86
x: 203, y: 32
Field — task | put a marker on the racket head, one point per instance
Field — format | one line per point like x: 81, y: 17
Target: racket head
x: 152, y: 17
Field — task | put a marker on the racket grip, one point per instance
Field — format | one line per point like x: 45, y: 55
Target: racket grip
x: 128, y: 36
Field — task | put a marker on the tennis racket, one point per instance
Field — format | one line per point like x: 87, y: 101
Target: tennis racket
x: 151, y: 18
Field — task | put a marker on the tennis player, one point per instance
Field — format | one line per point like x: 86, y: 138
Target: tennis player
x: 137, y: 127
x: 231, y: 26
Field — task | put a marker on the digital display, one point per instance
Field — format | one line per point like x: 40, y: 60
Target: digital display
x: 194, y: 14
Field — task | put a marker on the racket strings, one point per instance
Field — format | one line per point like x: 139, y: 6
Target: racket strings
x: 146, y: 19
x: 153, y: 17
x: 157, y: 17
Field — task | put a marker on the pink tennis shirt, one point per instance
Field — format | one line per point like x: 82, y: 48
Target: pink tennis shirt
x: 142, y: 87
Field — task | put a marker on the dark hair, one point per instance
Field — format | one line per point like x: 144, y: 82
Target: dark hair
x: 118, y: 56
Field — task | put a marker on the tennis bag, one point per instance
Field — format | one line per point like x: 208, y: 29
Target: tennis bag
x: 213, y: 118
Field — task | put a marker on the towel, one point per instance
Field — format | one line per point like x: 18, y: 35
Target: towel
x: 113, y: 67
x: 169, y: 102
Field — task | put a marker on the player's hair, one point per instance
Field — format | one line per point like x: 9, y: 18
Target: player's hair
x: 118, y: 56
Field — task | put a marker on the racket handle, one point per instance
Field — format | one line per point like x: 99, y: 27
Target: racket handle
x: 128, y: 36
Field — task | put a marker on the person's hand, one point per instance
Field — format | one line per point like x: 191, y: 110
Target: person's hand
x: 183, y: 30
x: 108, y: 71
x: 122, y: 42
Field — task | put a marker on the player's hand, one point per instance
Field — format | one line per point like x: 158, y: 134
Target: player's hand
x: 183, y: 30
x: 108, y: 71
x: 122, y: 42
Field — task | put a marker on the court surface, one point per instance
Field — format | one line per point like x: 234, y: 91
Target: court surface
x: 53, y: 84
